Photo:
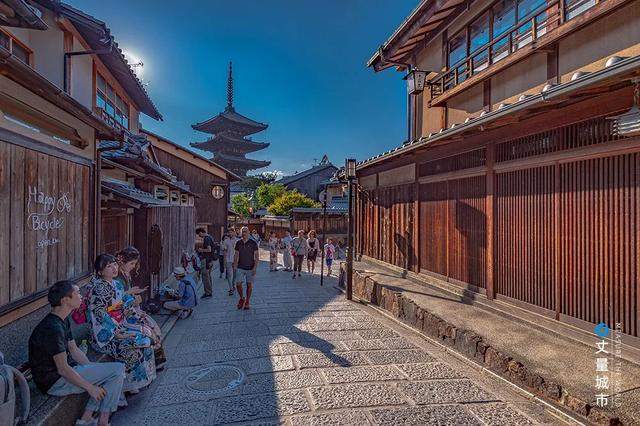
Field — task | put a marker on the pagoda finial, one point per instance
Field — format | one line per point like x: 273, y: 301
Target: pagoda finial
x: 230, y: 88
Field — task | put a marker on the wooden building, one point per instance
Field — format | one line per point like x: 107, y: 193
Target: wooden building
x: 308, y: 218
x: 517, y: 182
x: 208, y: 181
x: 311, y: 181
x: 55, y: 108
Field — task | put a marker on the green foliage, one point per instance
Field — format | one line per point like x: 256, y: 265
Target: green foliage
x: 284, y: 203
x: 240, y: 203
x: 266, y: 194
x: 251, y: 183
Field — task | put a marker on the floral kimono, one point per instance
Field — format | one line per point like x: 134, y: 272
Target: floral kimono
x: 110, y: 311
x: 151, y: 328
x: 273, y: 254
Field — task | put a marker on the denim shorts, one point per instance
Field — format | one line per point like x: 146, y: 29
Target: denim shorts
x: 243, y: 275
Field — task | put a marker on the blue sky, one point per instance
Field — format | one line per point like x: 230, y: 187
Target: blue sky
x: 299, y: 66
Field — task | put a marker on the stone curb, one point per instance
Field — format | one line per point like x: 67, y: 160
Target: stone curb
x: 366, y: 287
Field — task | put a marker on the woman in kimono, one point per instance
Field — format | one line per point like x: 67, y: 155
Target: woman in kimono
x: 128, y: 262
x: 273, y: 252
x: 116, y: 329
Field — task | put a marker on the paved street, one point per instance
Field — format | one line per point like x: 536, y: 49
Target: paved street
x: 303, y: 356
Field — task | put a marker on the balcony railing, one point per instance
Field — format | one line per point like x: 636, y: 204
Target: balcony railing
x: 537, y: 24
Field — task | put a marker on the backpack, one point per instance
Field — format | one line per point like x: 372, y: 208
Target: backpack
x: 8, y: 395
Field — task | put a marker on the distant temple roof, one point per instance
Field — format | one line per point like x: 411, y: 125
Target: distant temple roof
x: 229, y: 141
x: 228, y: 144
x: 242, y: 161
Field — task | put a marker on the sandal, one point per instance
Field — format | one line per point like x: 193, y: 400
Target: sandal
x: 240, y: 303
x: 246, y: 305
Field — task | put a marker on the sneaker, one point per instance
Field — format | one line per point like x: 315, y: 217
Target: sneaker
x: 246, y: 305
x: 240, y: 303
x: 230, y: 292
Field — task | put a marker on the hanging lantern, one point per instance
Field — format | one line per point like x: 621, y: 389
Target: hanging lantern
x: 415, y: 81
x: 628, y: 123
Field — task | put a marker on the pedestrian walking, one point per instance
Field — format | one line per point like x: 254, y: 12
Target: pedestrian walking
x: 312, y: 253
x: 273, y: 252
x: 229, y: 254
x: 245, y: 262
x: 286, y: 254
x: 329, y: 252
x: 299, y: 249
x: 206, y: 255
x: 221, y: 257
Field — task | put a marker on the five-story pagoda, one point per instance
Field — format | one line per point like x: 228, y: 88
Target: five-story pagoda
x: 229, y: 143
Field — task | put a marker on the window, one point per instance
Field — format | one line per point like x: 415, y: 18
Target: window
x: 111, y: 103
x: 576, y: 7
x: 526, y: 10
x: 504, y: 18
x: 17, y: 49
x: 478, y: 37
x: 457, y: 52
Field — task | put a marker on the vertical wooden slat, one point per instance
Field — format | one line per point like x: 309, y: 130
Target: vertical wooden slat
x: 52, y: 251
x: 18, y: 223
x: 30, y: 236
x: 5, y: 222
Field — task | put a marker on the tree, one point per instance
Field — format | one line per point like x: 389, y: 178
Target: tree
x: 284, y: 203
x: 266, y: 194
x: 241, y: 203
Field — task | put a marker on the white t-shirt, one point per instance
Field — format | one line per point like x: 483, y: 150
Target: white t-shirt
x: 230, y: 248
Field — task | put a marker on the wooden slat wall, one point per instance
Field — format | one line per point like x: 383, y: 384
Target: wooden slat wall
x: 599, y: 240
x: 178, y: 226
x: 525, y: 247
x: 566, y: 232
x: 467, y: 230
x: 27, y: 268
x: 433, y: 226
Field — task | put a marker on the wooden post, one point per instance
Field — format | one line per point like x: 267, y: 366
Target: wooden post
x: 415, y: 256
x: 490, y: 225
x: 556, y: 237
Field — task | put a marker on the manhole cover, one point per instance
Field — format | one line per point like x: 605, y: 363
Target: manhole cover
x: 215, y: 379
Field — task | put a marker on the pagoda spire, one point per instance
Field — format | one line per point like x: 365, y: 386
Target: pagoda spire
x: 230, y: 88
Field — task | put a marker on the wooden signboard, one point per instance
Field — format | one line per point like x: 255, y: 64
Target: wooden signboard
x: 46, y: 227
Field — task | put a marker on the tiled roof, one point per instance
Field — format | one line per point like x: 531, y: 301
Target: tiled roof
x: 124, y: 190
x: 315, y: 169
x: 227, y: 119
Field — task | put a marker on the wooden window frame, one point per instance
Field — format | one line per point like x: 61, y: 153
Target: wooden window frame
x: 466, y: 62
x: 13, y: 39
x: 116, y: 95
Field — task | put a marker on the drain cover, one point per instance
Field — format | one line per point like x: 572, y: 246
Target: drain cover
x: 215, y: 379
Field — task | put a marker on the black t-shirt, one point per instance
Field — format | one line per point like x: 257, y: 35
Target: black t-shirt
x: 50, y: 337
x: 207, y: 242
x: 245, y: 254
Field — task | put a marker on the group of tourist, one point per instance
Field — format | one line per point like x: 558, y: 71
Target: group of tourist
x: 131, y: 337
x: 118, y: 328
x: 295, y: 250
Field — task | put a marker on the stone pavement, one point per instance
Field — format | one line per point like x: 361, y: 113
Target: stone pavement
x: 303, y: 355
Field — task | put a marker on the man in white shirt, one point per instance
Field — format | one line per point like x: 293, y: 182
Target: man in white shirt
x: 229, y: 248
x: 286, y: 255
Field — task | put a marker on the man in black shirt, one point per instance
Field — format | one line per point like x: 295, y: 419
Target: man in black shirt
x: 245, y: 262
x: 206, y: 254
x: 50, y: 345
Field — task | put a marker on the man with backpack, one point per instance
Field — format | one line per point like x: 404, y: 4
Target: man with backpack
x: 186, y: 294
x: 207, y: 255
x: 50, y: 345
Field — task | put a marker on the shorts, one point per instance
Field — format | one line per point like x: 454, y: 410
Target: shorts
x: 243, y: 275
x: 329, y: 261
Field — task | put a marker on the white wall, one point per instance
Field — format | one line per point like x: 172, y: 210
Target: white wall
x: 82, y: 76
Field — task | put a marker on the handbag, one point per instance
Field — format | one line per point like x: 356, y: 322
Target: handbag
x: 79, y: 315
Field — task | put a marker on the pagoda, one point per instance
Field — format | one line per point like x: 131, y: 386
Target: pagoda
x: 229, y: 142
